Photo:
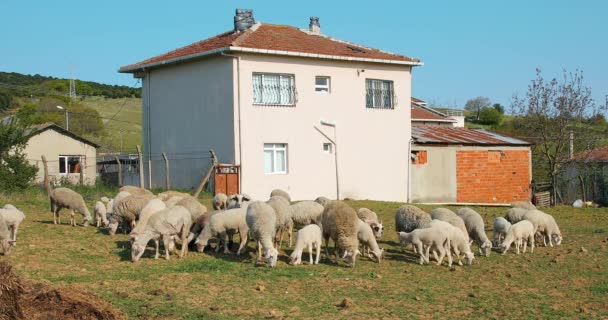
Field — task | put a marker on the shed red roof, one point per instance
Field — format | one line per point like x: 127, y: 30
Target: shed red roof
x: 459, y: 135
x: 595, y: 155
x: 419, y: 113
x: 281, y: 38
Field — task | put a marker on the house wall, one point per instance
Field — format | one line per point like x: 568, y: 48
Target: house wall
x: 53, y: 144
x: 467, y: 174
x: 188, y: 109
x: 372, y: 143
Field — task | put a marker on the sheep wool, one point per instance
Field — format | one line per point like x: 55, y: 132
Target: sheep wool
x: 409, y: 218
x: 262, y: 223
x: 220, y: 201
x: 306, y: 212
x: 340, y: 223
x: 280, y: 193
x: 69, y: 199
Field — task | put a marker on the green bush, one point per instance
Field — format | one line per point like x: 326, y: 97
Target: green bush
x: 490, y: 116
x: 15, y: 171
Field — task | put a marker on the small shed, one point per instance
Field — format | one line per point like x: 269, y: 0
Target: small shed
x: 67, y: 154
x: 461, y: 165
x: 585, y: 177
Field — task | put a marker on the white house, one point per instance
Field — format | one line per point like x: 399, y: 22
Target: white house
x: 274, y: 99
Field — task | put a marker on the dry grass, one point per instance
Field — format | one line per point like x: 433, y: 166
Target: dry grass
x: 560, y: 282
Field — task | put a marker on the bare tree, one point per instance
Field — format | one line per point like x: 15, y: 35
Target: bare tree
x: 548, y: 113
x: 475, y: 105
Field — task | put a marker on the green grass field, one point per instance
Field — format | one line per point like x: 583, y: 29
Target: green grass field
x: 551, y: 283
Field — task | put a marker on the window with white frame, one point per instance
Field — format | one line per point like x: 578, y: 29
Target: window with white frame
x: 274, y: 89
x: 69, y: 164
x: 379, y: 94
x: 275, y: 158
x: 322, y: 84
x: 327, y: 147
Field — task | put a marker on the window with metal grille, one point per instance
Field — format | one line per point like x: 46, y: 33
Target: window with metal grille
x: 275, y: 158
x: 274, y: 89
x: 379, y: 94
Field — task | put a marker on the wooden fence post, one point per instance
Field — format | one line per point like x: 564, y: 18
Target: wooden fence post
x: 167, y: 177
x: 119, y: 171
x: 82, y: 168
x: 207, y: 176
x: 141, y: 167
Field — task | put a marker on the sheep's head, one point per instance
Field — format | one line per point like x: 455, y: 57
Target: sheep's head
x: 486, y: 248
x: 504, y: 247
x: 137, y: 250
x: 295, y: 259
x: 200, y: 245
x: 469, y: 257
x: 403, y: 238
x: 113, y: 227
x: 7, y: 245
x: 238, y: 199
x: 378, y: 229
x: 271, y: 256
x: 351, y: 256
x: 378, y: 255
x: 557, y: 238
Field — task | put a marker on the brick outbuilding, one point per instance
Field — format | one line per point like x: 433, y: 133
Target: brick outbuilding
x: 461, y: 165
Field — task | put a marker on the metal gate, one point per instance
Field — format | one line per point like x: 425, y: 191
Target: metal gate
x: 226, y: 178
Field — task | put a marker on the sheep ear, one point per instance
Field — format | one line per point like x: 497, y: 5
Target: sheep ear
x: 246, y: 197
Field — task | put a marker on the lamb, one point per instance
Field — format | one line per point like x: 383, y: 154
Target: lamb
x: 308, y: 237
x: 220, y: 224
x: 5, y: 237
x: 408, y: 218
x: 544, y: 224
x: 523, y: 205
x: 262, y: 222
x: 552, y: 231
x: 425, y: 239
x: 515, y: 215
x: 500, y: 229
x: 66, y: 198
x: 237, y: 200
x: 452, y: 218
x: 521, y: 232
x: 100, y: 212
x: 306, y: 212
x: 322, y: 200
x: 367, y: 238
x: 457, y: 244
x: 153, y: 206
x: 220, y: 201
x: 12, y: 218
x: 135, y: 190
x: 340, y: 223
x: 476, y: 229
x: 165, y: 224
x: 284, y: 222
x: 127, y: 210
x: 371, y: 218
x: 280, y: 193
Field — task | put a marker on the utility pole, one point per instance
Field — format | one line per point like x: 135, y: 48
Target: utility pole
x: 72, y: 93
x: 571, y: 144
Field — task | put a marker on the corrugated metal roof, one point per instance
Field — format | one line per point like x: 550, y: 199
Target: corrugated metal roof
x: 594, y: 155
x: 465, y: 136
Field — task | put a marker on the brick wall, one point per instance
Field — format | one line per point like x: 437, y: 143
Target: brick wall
x: 493, y: 176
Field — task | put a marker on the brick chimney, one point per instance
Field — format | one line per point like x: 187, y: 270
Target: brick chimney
x: 314, y: 25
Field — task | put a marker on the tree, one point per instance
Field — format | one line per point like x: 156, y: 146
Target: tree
x: 549, y: 111
x: 475, y: 105
x: 15, y: 171
x: 490, y: 116
x: 499, y: 107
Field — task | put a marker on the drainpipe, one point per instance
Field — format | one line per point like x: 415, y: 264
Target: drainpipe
x: 334, y: 141
x: 149, y: 128
x: 238, y: 79
x: 409, y: 170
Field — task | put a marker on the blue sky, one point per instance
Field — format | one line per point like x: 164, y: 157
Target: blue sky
x: 469, y: 48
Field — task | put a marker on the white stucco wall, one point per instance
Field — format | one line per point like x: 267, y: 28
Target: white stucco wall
x: 188, y: 109
x: 372, y: 143
x: 53, y: 144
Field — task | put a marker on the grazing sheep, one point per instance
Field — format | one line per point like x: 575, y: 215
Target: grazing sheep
x: 195, y: 207
x: 165, y: 225
x: 371, y: 218
x: 322, y: 200
x: 425, y: 239
x: 220, y: 224
x: 500, y: 229
x: 520, y: 233
x: 121, y: 195
x: 340, y: 223
x: 71, y: 200
x: 262, y: 223
x: 173, y: 201
x: 452, y: 218
x: 457, y: 242
x: 282, y: 210
x: 220, y: 201
x: 476, y: 229
x: 515, y: 215
x: 308, y: 237
x: 367, y: 239
x: 100, y: 212
x: 280, y: 193
x: 135, y: 190
x: 12, y: 218
x: 306, y: 212
x: 237, y: 200
x: 200, y: 223
x: 545, y: 224
x: 127, y: 210
x: 5, y: 238
x: 153, y: 206
x: 523, y: 205
x: 409, y: 218
x: 170, y: 194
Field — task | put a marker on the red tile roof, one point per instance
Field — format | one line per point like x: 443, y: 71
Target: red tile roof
x: 462, y: 136
x: 419, y: 113
x: 416, y: 100
x: 594, y: 155
x: 274, y: 37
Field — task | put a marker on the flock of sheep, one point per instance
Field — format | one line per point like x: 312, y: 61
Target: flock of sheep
x: 173, y: 216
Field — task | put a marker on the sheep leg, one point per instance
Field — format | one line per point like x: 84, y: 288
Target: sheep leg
x: 290, y: 234
x: 531, y: 240
x: 525, y: 243
x: 441, y: 255
x: 72, y: 218
x: 184, y: 239
x: 420, y: 252
x: 258, y: 249
x: 167, y: 244
x: 336, y: 252
x: 310, y: 253
x: 156, y: 245
x: 243, y: 245
x: 318, y: 245
x: 517, y: 244
x: 550, y: 240
x: 226, y: 246
x: 327, y: 248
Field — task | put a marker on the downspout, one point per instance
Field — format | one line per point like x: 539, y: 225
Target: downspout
x: 409, y: 170
x: 238, y: 79
x: 149, y: 129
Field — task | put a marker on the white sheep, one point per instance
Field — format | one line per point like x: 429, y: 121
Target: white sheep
x: 307, y: 237
x: 515, y: 215
x: 476, y: 229
x: 165, y: 224
x: 13, y: 217
x: 220, y: 201
x: 237, y: 200
x: 119, y: 196
x: 69, y: 199
x: 6, y: 243
x: 170, y: 194
x: 339, y: 222
x: 280, y: 193
x: 409, y: 218
x: 452, y: 218
x: 322, y: 200
x: 109, y: 207
x: 127, y: 210
x: 544, y: 224
x: 423, y: 240
x: 523, y: 205
x: 282, y: 210
x: 520, y: 233
x: 153, y: 206
x: 194, y: 206
x: 371, y: 218
x: 172, y: 201
x: 100, y: 212
x: 306, y: 212
x: 220, y: 225
x: 457, y: 243
x: 135, y: 190
x: 500, y: 229
x: 367, y: 239
x: 262, y: 223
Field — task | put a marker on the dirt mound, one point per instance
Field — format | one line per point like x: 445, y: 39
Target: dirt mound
x: 24, y: 300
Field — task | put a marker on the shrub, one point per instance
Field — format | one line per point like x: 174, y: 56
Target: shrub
x: 15, y: 171
x: 490, y: 116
